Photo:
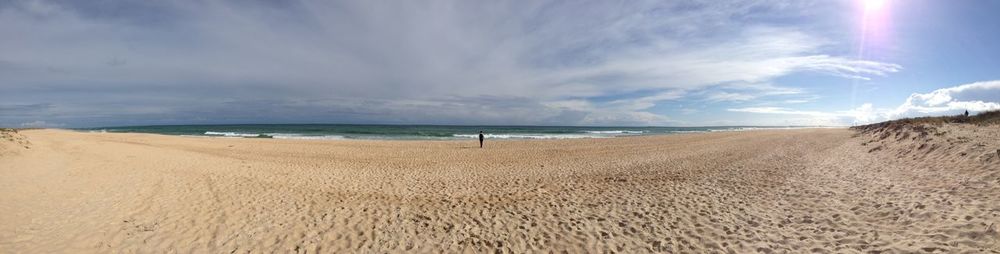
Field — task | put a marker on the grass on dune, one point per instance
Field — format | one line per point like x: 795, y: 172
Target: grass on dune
x: 983, y: 118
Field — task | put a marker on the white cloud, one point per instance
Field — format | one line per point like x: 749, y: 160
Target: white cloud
x: 801, y: 117
x: 862, y: 114
x: 745, y: 92
x: 625, y: 112
x: 727, y: 96
x: 646, y: 102
x: 797, y: 101
x: 975, y: 97
x: 857, y: 69
x: 766, y: 110
x: 866, y: 113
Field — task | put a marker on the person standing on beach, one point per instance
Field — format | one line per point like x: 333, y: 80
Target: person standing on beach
x: 481, y: 137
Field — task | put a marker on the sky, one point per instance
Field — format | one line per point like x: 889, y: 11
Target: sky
x: 581, y: 63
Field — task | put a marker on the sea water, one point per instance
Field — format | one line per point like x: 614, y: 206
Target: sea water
x: 413, y: 132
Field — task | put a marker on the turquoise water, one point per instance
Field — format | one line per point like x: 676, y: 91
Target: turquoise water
x: 409, y: 132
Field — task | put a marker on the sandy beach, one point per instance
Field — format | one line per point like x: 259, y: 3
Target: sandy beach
x: 807, y: 190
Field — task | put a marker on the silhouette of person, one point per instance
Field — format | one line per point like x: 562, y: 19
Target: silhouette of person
x: 481, y: 137
x: 966, y: 113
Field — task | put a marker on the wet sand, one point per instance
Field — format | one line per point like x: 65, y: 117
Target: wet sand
x: 809, y: 190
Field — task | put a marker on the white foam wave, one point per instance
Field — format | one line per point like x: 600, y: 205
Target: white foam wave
x: 299, y: 136
x: 529, y: 136
x: 616, y: 132
x: 230, y: 134
x: 272, y: 135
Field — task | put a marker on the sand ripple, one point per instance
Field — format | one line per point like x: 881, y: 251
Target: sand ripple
x: 814, y: 190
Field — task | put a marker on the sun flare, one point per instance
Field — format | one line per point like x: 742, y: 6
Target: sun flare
x: 874, y: 5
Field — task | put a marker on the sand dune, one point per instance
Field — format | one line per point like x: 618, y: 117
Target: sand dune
x: 812, y: 190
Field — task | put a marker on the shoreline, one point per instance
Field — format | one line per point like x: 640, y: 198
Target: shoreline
x: 461, y: 137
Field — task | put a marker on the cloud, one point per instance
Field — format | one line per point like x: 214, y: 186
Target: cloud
x: 861, y: 114
x: 41, y: 124
x: 796, y: 101
x: 620, y: 112
x: 856, y: 69
x: 401, y: 62
x: 774, y: 110
x: 727, y: 96
x: 974, y: 97
x: 648, y: 101
x: 13, y: 109
x: 747, y: 92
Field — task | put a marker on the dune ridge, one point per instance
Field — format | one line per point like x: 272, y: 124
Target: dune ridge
x: 809, y: 190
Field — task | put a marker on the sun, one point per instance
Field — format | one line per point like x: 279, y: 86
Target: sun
x: 874, y: 5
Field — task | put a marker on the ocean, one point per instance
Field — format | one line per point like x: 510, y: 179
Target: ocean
x: 411, y: 132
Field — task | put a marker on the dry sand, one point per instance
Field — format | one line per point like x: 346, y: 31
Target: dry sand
x: 813, y: 190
